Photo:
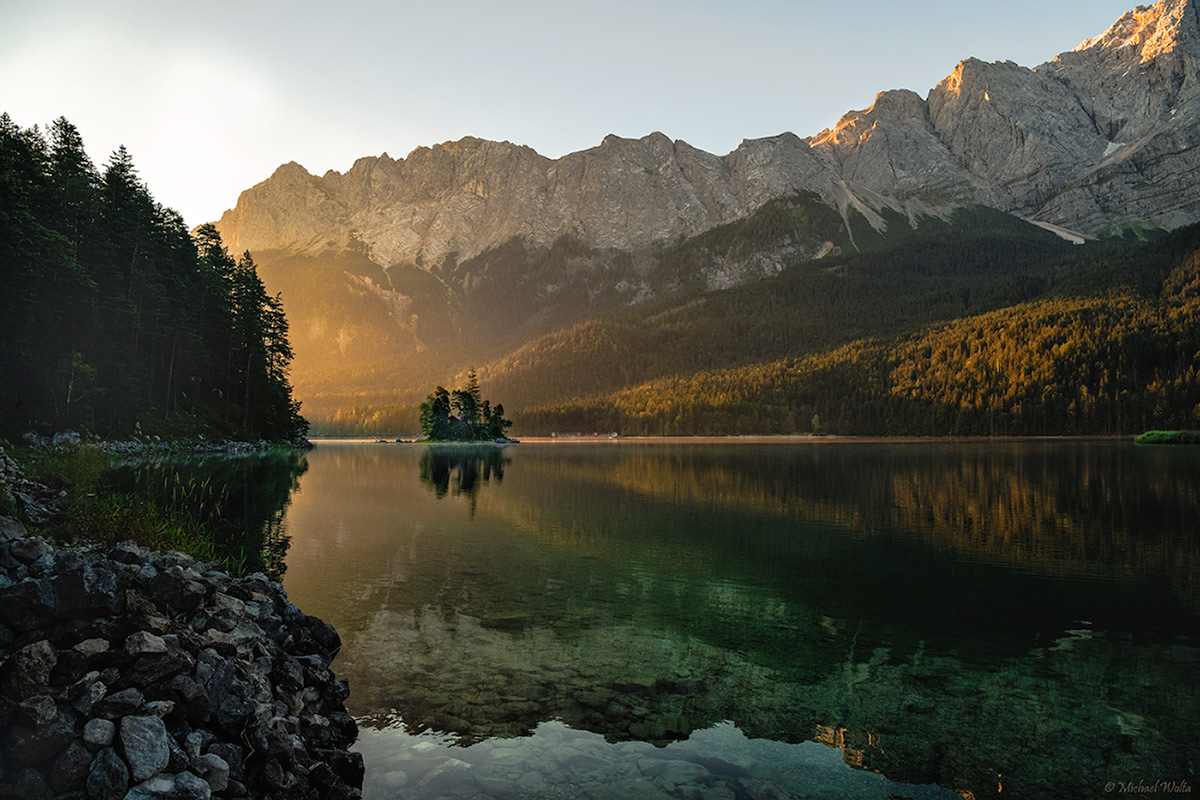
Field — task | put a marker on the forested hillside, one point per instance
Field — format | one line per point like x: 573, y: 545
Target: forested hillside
x: 1122, y: 360
x: 975, y: 324
x: 114, y: 319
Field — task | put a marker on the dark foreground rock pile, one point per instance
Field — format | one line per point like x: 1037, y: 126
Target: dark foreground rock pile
x: 130, y: 674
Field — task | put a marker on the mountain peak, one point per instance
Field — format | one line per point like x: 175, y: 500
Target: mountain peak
x: 290, y: 170
x: 1151, y: 30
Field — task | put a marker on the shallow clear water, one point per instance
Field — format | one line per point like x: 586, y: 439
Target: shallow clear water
x: 803, y: 619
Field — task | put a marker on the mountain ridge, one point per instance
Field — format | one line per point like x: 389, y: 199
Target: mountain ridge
x: 1058, y: 143
x: 402, y: 272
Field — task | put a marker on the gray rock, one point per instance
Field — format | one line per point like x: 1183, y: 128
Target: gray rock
x: 39, y: 710
x: 129, y: 553
x: 119, y: 704
x: 71, y: 768
x: 90, y: 648
x: 997, y: 134
x: 99, y: 733
x: 159, y: 708
x: 11, y: 528
x: 91, y: 692
x: 144, y: 643
x: 221, y: 703
x: 213, y: 769
x: 144, y: 741
x: 83, y: 592
x: 233, y: 755
x: 27, y: 604
x: 108, y: 776
x: 179, y: 760
x: 171, y: 786
x: 28, y: 784
x: 28, y: 746
x: 66, y: 438
x: 30, y: 549
x: 29, y: 669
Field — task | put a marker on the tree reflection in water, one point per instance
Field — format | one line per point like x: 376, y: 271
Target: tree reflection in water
x: 461, y: 470
x: 240, y: 499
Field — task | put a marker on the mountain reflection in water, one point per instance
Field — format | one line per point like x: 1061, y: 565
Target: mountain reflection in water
x: 945, y: 614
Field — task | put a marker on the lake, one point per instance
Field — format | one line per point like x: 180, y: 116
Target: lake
x: 793, y: 619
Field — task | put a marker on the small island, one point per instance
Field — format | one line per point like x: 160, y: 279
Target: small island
x: 462, y: 415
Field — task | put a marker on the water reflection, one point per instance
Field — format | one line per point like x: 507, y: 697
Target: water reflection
x: 241, y: 498
x: 462, y: 470
x: 941, y: 614
x: 556, y: 760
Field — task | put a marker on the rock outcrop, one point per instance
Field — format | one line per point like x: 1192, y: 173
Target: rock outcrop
x: 129, y: 674
x: 39, y: 503
x: 1101, y: 136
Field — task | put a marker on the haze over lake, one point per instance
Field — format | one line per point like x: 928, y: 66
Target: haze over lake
x: 758, y: 620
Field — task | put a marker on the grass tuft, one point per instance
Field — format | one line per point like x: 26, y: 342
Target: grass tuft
x: 1169, y: 437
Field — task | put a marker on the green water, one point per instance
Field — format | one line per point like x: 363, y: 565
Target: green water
x: 772, y: 620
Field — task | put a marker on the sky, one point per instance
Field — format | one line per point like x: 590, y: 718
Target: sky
x: 209, y: 98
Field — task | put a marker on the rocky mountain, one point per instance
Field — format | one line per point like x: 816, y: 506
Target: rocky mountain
x: 1098, y: 141
x: 1102, y: 135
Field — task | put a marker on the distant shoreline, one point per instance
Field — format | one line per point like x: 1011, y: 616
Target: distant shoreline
x: 781, y: 439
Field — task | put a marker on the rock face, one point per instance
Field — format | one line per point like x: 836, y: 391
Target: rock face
x: 128, y: 674
x: 1103, y: 135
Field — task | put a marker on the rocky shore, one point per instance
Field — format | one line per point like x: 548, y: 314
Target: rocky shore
x: 131, y: 674
x: 153, y: 445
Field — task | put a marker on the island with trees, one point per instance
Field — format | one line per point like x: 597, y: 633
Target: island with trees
x: 462, y: 415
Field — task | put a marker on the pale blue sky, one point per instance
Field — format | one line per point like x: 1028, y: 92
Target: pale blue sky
x: 210, y: 98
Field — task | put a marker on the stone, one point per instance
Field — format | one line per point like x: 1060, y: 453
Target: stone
x: 82, y: 591
x: 29, y: 669
x: 71, y: 768
x: 90, y: 648
x: 159, y: 708
x: 144, y: 643
x: 144, y: 741
x: 346, y: 765
x: 118, y: 704
x: 152, y: 669
x: 39, y: 710
x: 66, y: 438
x: 30, y: 549
x: 28, y: 746
x: 71, y: 667
x: 90, y: 693
x: 99, y: 733
x: 27, y: 604
x: 233, y: 755
x: 27, y: 784
x: 178, y: 760
x: 11, y: 528
x: 178, y: 786
x: 197, y: 742
x: 108, y: 776
x: 213, y: 769
x: 130, y: 668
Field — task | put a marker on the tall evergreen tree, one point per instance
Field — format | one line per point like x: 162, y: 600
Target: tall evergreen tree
x: 111, y: 315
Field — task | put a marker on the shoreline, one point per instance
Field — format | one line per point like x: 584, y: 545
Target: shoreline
x: 748, y: 439
x: 135, y: 673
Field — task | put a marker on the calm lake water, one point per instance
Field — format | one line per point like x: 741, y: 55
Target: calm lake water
x: 782, y: 620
